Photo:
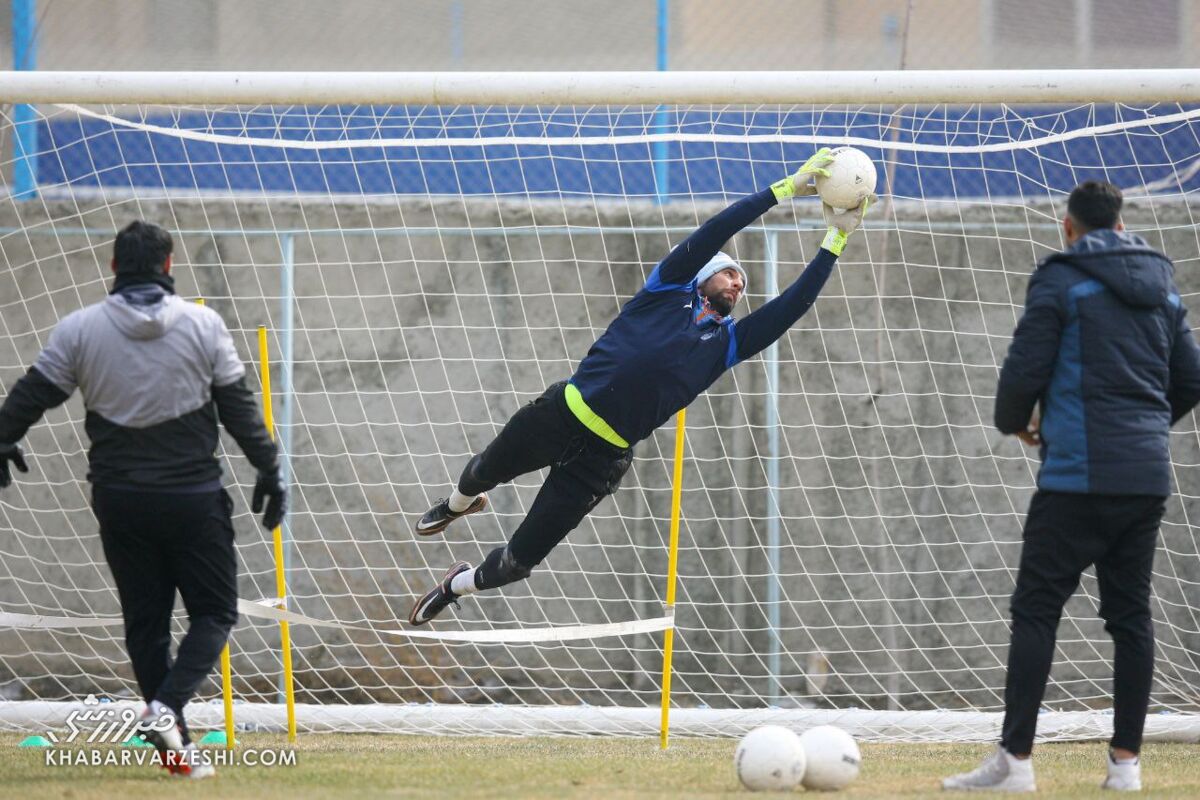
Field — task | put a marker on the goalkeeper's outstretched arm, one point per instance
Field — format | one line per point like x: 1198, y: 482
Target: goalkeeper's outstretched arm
x: 762, y: 327
x: 681, y: 264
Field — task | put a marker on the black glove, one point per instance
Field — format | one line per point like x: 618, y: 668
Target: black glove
x: 10, y: 452
x: 270, y: 486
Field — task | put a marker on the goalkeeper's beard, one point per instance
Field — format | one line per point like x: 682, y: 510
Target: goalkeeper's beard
x: 721, y: 302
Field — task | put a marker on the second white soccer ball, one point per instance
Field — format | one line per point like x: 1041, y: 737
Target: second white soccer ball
x: 852, y: 178
x: 832, y: 758
x: 769, y: 758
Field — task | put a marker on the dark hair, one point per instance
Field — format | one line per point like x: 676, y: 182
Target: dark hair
x: 141, y: 247
x: 1095, y: 204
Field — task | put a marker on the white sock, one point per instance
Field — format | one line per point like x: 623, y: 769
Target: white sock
x: 460, y: 502
x: 464, y: 583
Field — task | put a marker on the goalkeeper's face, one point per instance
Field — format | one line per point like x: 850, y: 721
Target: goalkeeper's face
x: 723, y: 290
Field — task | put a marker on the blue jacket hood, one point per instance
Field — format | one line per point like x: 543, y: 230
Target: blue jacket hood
x: 1124, y: 263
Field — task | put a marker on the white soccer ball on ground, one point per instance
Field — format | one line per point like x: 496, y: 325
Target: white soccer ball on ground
x: 851, y: 178
x: 832, y: 758
x: 771, y: 758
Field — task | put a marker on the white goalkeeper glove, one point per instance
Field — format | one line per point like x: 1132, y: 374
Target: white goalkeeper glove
x: 804, y: 182
x: 843, y: 223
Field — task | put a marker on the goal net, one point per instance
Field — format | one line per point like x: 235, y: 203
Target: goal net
x: 850, y: 518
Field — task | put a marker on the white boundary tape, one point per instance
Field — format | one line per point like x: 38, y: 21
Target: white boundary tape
x: 510, y: 720
x: 641, y: 138
x: 553, y: 634
x: 265, y: 609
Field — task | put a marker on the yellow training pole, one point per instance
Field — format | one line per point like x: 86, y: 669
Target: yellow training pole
x: 227, y: 695
x: 226, y: 671
x: 285, y: 634
x: 672, y: 559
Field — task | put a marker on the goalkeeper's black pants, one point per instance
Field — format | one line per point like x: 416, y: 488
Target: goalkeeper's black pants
x: 1064, y: 535
x: 584, y: 469
x: 157, y: 543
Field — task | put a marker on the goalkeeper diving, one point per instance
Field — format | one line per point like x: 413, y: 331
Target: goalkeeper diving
x: 670, y: 342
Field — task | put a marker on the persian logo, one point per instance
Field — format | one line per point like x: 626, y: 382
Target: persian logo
x: 102, y: 723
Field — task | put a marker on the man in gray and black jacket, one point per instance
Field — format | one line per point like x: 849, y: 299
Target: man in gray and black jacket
x: 156, y: 373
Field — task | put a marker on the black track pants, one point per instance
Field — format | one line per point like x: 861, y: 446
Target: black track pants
x: 584, y: 469
x: 1064, y: 535
x: 156, y: 544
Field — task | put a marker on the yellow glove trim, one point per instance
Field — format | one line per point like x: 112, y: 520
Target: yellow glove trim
x: 835, y: 240
x: 783, y: 189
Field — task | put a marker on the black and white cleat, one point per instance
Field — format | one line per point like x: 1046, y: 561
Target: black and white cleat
x: 440, y: 516
x: 436, y: 599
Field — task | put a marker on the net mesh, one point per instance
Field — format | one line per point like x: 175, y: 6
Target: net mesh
x: 851, y: 521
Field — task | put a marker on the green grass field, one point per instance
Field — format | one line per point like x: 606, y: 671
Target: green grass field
x: 366, y: 766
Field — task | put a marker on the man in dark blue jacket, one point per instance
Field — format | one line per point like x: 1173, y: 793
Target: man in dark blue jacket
x: 1104, y: 350
x: 669, y: 343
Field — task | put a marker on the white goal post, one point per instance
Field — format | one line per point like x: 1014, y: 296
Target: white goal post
x: 744, y: 88
x: 430, y: 250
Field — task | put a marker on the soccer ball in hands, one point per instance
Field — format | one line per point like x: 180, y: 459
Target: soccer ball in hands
x: 771, y: 758
x: 831, y: 756
x: 851, y: 178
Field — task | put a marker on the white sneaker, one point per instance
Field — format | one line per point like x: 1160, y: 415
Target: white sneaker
x: 159, y: 727
x: 1123, y: 777
x: 198, y: 761
x: 999, y: 772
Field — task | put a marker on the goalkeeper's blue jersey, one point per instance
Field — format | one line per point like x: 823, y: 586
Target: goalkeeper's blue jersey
x: 667, y: 346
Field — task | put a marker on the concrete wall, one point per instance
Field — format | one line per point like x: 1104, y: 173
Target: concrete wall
x: 899, y: 507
